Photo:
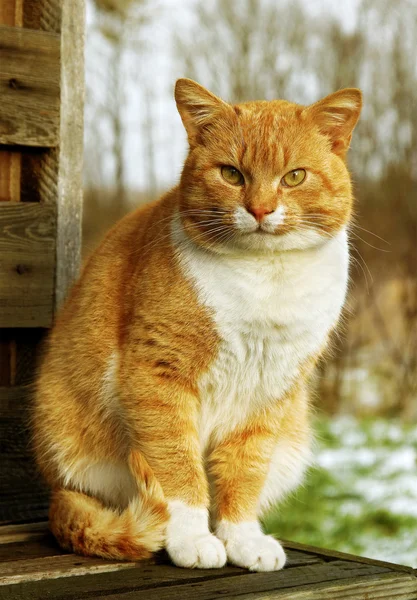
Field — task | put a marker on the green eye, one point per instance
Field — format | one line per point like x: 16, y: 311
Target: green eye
x: 294, y: 178
x: 232, y: 175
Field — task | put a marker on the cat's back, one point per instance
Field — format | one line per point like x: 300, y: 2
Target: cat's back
x: 87, y: 329
x: 109, y: 269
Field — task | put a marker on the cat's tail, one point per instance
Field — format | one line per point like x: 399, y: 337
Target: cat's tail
x: 83, y: 525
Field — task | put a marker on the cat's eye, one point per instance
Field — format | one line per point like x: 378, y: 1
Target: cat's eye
x: 294, y: 178
x: 232, y: 175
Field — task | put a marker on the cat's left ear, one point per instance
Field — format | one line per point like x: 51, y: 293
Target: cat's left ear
x: 336, y: 115
x: 197, y: 107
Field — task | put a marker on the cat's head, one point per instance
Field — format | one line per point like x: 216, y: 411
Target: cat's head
x: 265, y: 176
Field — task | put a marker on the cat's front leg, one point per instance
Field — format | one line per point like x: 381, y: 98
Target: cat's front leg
x: 239, y: 467
x: 163, y: 424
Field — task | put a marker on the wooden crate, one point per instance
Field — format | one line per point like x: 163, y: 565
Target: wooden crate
x: 41, y: 141
x: 32, y: 567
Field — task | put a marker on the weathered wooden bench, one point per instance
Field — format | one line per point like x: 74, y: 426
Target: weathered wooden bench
x: 32, y: 567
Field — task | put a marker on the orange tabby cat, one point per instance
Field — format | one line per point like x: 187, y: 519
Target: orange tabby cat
x: 175, y: 380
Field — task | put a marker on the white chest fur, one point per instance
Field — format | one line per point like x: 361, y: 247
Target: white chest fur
x: 271, y: 313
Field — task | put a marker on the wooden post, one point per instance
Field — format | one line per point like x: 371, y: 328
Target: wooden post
x: 60, y: 170
x: 11, y: 13
x: 70, y: 179
x: 41, y: 152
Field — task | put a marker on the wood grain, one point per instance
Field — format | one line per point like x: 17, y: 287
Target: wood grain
x: 70, y: 180
x: 27, y: 264
x: 29, y: 87
x: 336, y: 555
x: 23, y: 495
x: 33, y: 567
x: 288, y: 584
x: 162, y: 582
x: 388, y: 586
x: 26, y: 532
x: 10, y: 171
x: 11, y: 13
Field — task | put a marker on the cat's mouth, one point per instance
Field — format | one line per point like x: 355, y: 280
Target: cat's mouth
x: 268, y: 230
x: 261, y: 231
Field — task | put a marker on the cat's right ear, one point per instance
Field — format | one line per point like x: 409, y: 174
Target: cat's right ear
x: 197, y: 107
x: 337, y: 115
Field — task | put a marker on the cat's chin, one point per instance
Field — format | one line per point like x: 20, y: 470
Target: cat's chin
x: 264, y: 242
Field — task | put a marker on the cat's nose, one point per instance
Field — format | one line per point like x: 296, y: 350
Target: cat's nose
x: 259, y: 212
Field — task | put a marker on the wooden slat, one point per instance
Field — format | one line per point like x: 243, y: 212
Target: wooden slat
x: 388, y: 587
x: 336, y: 555
x: 11, y: 13
x: 29, y: 87
x: 27, y: 264
x: 70, y: 179
x: 164, y: 582
x: 33, y: 567
x: 54, y: 567
x: 27, y: 532
x: 289, y: 584
x: 10, y: 169
x: 22, y: 493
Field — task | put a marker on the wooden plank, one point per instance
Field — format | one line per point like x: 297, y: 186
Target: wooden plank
x: 43, y: 571
x: 59, y: 170
x: 150, y: 573
x: 10, y: 170
x: 29, y: 87
x: 24, y: 550
x: 162, y: 582
x: 11, y: 13
x: 27, y: 264
x: 42, y: 548
x: 23, y: 495
x: 390, y: 587
x: 70, y: 178
x: 55, y: 567
x: 288, y: 584
x: 11, y: 534
x: 336, y: 555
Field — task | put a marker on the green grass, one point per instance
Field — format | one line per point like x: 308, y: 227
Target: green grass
x: 361, y: 497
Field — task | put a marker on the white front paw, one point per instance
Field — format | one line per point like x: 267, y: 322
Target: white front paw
x: 201, y: 552
x: 248, y: 547
x: 188, y: 540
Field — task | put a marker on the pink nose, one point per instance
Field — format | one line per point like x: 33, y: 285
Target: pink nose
x: 259, y: 212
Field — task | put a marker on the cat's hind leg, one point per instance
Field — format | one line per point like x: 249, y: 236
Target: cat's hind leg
x: 86, y: 525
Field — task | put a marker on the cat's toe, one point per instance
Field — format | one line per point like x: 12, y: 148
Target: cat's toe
x: 247, y: 546
x: 261, y: 553
x: 270, y: 555
x: 200, y: 552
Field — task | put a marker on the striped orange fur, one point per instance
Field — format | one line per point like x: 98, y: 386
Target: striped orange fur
x: 171, y: 406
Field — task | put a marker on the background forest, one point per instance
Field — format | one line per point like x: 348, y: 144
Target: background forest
x: 361, y: 496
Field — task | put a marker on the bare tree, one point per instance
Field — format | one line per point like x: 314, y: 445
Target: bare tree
x: 254, y: 52
x: 118, y: 23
